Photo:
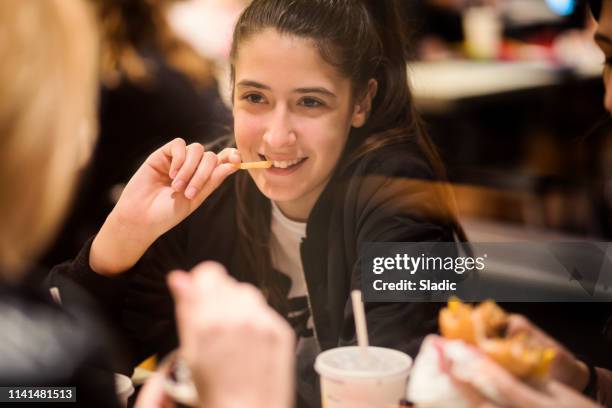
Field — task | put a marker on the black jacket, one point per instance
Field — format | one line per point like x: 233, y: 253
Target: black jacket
x: 374, y: 199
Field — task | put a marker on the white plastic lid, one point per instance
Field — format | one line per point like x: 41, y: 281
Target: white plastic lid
x: 353, y: 362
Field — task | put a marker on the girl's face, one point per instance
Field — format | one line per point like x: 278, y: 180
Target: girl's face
x: 295, y: 109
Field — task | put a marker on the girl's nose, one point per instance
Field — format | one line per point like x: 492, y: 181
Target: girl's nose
x: 279, y: 132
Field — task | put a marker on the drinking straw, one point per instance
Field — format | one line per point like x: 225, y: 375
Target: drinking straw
x: 360, y: 320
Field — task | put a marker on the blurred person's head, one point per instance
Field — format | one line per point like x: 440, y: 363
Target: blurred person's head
x: 129, y: 28
x: 48, y: 83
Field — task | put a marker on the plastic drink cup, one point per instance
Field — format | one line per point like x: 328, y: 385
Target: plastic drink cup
x: 359, y: 377
x: 124, y: 388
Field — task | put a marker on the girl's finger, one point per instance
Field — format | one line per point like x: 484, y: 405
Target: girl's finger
x: 229, y: 155
x: 195, y: 151
x: 202, y: 174
x: 175, y: 151
x: 220, y: 173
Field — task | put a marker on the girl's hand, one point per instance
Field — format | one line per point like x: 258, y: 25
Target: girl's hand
x: 170, y: 185
x: 239, y: 350
x: 565, y: 368
x: 517, y: 394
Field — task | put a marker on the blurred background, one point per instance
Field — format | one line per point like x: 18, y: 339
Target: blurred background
x: 511, y: 92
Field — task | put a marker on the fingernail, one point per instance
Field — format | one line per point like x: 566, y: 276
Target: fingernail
x: 173, y: 173
x: 178, y: 185
x: 191, y: 192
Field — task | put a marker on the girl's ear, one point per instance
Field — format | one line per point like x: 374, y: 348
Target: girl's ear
x: 364, y: 106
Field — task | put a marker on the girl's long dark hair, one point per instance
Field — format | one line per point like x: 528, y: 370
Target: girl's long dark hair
x: 363, y: 39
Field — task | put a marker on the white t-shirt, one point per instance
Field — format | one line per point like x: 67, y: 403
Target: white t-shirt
x: 285, y: 240
x: 286, y: 237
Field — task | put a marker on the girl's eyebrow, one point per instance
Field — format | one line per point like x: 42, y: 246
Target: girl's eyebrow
x: 315, y: 90
x: 253, y: 84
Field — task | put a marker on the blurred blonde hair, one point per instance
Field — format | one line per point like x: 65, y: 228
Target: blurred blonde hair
x: 48, y: 85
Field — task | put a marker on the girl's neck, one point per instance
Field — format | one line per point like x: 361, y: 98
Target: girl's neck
x: 295, y: 211
x: 299, y: 209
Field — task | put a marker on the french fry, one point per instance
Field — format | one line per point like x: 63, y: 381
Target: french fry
x: 254, y: 165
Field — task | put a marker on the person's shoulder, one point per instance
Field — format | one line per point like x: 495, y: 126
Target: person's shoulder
x: 42, y: 343
x: 27, y: 317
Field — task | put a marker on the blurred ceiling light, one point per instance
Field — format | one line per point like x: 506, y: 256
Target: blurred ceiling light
x: 562, y: 7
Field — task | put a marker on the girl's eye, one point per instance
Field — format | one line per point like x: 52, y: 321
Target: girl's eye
x: 254, y: 98
x: 311, y: 103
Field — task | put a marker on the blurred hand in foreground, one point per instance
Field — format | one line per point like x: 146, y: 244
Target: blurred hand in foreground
x: 240, y: 351
x: 153, y: 395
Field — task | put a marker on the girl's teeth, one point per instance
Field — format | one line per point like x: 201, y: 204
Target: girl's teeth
x: 285, y: 164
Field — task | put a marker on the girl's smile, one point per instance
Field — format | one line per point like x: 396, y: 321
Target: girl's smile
x: 283, y: 166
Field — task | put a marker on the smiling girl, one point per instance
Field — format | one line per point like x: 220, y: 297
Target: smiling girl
x: 320, y: 89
